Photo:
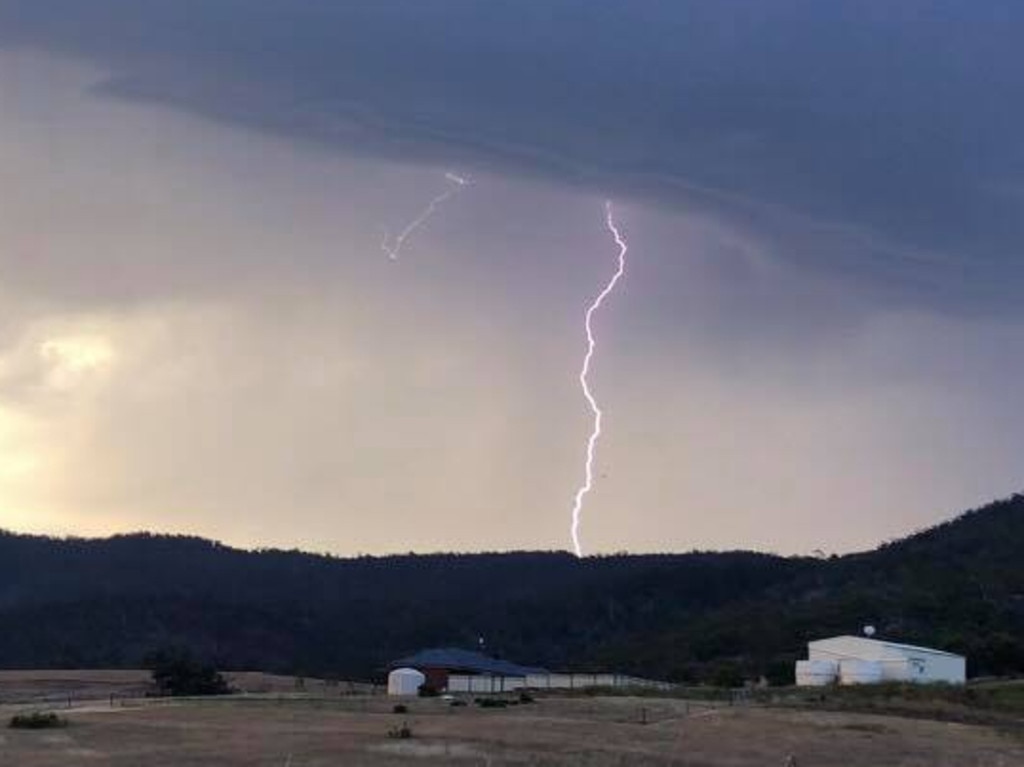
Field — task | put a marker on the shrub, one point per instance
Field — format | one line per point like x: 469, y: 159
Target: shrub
x: 176, y: 672
x: 401, y: 733
x: 525, y: 697
x: 727, y: 675
x: 36, y: 721
x: 400, y: 708
x: 491, y: 703
x: 780, y: 673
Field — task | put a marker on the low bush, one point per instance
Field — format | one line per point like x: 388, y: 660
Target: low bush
x: 491, y: 703
x: 401, y: 733
x: 36, y: 721
x: 400, y: 708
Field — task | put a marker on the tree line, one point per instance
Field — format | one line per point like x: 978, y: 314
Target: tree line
x: 695, y: 617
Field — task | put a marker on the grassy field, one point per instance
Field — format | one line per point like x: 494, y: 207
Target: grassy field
x: 995, y: 702
x: 293, y: 730
x: 56, y: 687
x: 74, y: 688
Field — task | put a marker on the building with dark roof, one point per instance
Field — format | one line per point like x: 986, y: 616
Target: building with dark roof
x: 437, y: 664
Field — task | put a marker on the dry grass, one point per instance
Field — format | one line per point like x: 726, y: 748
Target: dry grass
x: 57, y: 688
x: 602, y: 732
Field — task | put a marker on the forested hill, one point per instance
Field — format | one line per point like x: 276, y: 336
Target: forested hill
x: 697, y: 616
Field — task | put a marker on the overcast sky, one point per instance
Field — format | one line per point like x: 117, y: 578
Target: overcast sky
x: 818, y: 343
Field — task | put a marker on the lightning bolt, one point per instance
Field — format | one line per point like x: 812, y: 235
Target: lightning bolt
x: 455, y: 184
x: 585, y: 385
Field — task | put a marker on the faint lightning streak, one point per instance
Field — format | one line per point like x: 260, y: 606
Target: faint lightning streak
x: 591, y: 401
x: 456, y: 184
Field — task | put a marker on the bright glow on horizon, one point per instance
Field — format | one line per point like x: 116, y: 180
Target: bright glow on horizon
x: 591, y: 401
x: 15, y: 461
x: 74, y: 357
x: 18, y: 466
x: 18, y: 463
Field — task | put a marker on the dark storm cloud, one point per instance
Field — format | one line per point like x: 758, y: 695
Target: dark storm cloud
x: 875, y: 138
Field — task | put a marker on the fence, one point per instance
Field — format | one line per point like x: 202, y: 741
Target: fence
x: 486, y: 683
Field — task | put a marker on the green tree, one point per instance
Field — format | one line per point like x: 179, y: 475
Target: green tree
x: 177, y: 672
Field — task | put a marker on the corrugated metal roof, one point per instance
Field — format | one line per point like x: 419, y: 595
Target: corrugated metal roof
x: 456, y: 659
x: 868, y: 641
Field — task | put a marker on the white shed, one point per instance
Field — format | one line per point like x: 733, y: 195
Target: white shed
x: 405, y: 682
x: 816, y: 673
x: 861, y: 660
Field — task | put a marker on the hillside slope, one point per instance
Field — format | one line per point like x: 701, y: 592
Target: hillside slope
x: 109, y: 602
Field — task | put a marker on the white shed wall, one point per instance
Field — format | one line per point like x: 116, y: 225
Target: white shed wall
x: 816, y: 673
x: 405, y: 682
x: 484, y: 683
x: 860, y: 671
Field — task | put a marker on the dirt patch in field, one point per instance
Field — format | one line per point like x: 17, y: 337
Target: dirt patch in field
x: 427, y: 750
